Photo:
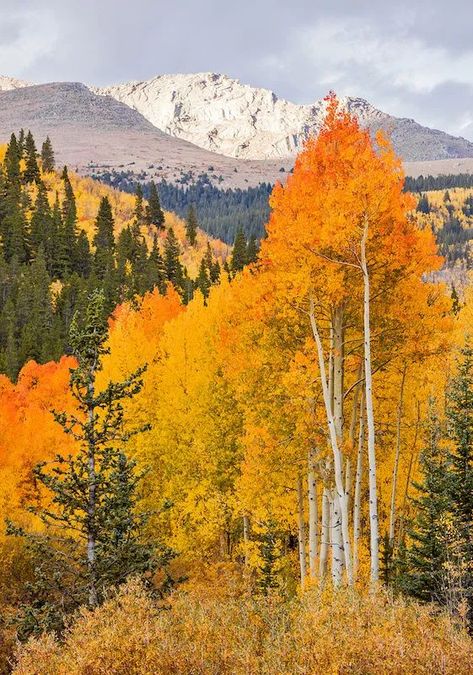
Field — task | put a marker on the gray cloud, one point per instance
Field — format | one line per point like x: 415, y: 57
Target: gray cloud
x: 412, y: 59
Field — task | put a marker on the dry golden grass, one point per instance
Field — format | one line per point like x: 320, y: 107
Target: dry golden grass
x: 222, y: 634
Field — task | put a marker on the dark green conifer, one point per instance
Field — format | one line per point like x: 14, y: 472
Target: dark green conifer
x: 239, y: 256
x: 47, y: 156
x: 31, y: 173
x: 191, y: 226
x: 174, y: 271
x: 154, y: 212
x: 94, y: 494
x: 104, y: 239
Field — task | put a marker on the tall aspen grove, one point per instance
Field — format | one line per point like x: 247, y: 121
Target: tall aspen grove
x: 236, y: 459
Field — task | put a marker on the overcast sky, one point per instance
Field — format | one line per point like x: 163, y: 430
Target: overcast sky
x: 411, y: 59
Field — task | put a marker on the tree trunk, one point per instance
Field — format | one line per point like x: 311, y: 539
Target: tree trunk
x: 313, y: 515
x: 301, y: 530
x: 358, y: 484
x: 392, y: 515
x: 325, y: 533
x: 337, y: 455
x: 373, y: 491
x: 336, y: 540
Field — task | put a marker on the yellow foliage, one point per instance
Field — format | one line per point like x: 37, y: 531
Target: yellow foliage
x: 338, y: 632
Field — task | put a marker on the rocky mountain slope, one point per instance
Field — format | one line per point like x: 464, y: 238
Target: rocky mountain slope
x: 179, y: 127
x: 97, y: 133
x: 220, y: 114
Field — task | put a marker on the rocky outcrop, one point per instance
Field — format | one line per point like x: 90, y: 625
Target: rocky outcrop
x: 220, y: 114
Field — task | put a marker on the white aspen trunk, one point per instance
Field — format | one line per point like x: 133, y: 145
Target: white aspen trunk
x: 337, y: 455
x: 313, y: 515
x: 301, y: 530
x: 246, y: 537
x: 336, y: 540
x: 392, y: 514
x: 373, y: 491
x: 325, y: 533
x: 358, y: 484
x: 409, y: 473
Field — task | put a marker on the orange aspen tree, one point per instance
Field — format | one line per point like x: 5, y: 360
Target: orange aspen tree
x: 341, y: 247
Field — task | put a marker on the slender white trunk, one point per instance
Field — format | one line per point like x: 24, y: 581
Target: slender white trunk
x: 301, y: 530
x: 392, y: 515
x: 325, y: 533
x: 337, y: 455
x: 373, y: 491
x: 336, y: 540
x: 358, y: 483
x: 313, y: 515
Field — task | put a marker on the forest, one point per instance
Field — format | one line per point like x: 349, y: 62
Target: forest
x: 243, y: 461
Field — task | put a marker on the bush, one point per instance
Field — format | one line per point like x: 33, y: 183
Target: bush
x: 332, y: 632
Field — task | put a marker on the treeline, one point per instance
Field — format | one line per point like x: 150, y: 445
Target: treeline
x: 221, y: 212
x: 442, y: 182
x: 48, y: 266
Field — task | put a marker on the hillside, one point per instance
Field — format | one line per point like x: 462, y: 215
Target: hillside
x: 63, y: 236
x: 90, y: 131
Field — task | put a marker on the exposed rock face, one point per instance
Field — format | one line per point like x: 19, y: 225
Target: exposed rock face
x: 9, y: 83
x: 220, y: 114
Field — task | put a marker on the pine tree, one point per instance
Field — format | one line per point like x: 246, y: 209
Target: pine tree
x: 191, y: 226
x: 93, y: 533
x: 174, y: 271
x: 252, y: 250
x: 69, y: 222
x: 203, y: 281
x: 12, y: 160
x: 47, y: 156
x: 156, y: 270
x: 104, y: 240
x: 460, y: 419
x: 154, y: 212
x: 423, y: 205
x: 239, y: 256
x: 31, y: 173
x: 422, y: 572
x: 42, y: 226
x: 139, y: 210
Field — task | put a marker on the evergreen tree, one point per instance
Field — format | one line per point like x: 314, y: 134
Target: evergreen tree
x: 239, y: 256
x: 154, y: 212
x: 47, y: 156
x: 42, y: 231
x: 191, y: 226
x: 460, y: 419
x: 203, y: 281
x: 31, y: 173
x: 69, y: 222
x: 422, y: 569
x: 139, y: 210
x: 12, y: 161
x: 104, y: 239
x: 156, y: 272
x: 93, y: 533
x: 174, y: 271
x: 21, y: 143
x: 423, y: 205
x: 252, y: 250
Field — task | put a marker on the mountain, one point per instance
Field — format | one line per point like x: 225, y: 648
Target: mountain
x: 220, y: 114
x: 9, y: 83
x: 97, y: 133
x: 180, y: 127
